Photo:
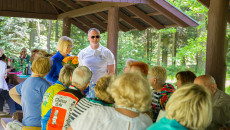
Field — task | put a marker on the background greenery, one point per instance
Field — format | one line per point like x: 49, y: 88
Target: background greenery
x: 175, y: 48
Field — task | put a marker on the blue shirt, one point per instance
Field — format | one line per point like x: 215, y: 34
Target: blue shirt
x: 32, y: 91
x: 166, y: 124
x: 53, y: 75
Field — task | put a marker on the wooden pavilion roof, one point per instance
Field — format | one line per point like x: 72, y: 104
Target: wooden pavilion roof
x: 85, y: 14
x: 206, y: 3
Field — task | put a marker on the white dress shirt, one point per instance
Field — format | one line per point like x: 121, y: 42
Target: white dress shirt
x: 3, y: 73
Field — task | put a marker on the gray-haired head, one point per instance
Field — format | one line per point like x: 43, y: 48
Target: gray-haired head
x: 81, y: 76
x: 93, y: 29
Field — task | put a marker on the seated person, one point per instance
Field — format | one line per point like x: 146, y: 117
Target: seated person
x: 220, y: 102
x: 4, y: 88
x: 139, y: 66
x: 132, y: 96
x: 102, y: 97
x: 184, y: 77
x: 62, y: 83
x: 65, y: 100
x: 30, y: 92
x: 161, y: 91
x: 189, y: 107
x: 127, y: 64
x: 24, y: 56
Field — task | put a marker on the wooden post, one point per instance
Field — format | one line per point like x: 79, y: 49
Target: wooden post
x: 216, y: 53
x: 66, y: 27
x: 113, y: 28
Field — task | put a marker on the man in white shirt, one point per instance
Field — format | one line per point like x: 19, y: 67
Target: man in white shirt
x: 99, y: 59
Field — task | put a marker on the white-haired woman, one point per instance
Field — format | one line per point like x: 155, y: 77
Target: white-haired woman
x: 132, y: 96
x: 189, y: 107
x: 64, y: 47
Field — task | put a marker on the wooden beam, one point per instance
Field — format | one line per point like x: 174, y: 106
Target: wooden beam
x: 172, y: 13
x: 77, y: 24
x: 113, y: 32
x: 105, y: 17
x: 131, y: 21
x: 97, y: 21
x: 28, y: 15
x: 87, y: 23
x: 150, y: 14
x: 216, y: 42
x: 90, y: 9
x: 145, y: 17
x: 70, y: 4
x: 66, y: 28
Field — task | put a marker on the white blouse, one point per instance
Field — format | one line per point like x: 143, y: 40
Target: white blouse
x: 3, y: 72
x: 107, y: 118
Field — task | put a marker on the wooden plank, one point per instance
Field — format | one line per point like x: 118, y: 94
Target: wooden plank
x: 172, y: 13
x: 79, y: 25
x: 91, y: 9
x: 70, y: 4
x: 122, y: 1
x: 28, y: 15
x: 216, y: 44
x: 113, y: 29
x: 145, y: 17
x: 87, y: 23
x: 1, y: 4
x: 59, y: 5
x: 131, y: 21
x: 20, y: 5
x: 150, y: 14
x: 9, y: 4
x: 37, y: 6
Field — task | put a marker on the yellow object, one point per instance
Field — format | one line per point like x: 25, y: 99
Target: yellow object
x: 31, y: 128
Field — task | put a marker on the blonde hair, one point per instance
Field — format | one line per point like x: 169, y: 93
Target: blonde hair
x: 191, y: 106
x: 131, y: 90
x: 81, y: 76
x: 65, y: 74
x: 101, y: 87
x: 159, y: 73
x: 63, y: 43
x: 41, y: 66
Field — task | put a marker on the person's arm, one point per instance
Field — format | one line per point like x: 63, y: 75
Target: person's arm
x: 15, y: 95
x: 111, y: 69
x: 49, y: 77
x: 70, y: 128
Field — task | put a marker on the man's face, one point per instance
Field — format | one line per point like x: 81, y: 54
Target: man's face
x: 94, y: 37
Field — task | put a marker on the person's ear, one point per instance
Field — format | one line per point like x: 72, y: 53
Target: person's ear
x: 154, y: 80
x: 89, y: 38
x: 214, y: 87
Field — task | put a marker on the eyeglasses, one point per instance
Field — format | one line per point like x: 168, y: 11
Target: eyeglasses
x: 98, y: 36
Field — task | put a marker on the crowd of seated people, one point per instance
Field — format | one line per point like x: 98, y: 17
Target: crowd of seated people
x: 138, y: 99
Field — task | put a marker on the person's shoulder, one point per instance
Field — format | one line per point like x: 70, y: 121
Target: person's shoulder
x: 223, y: 98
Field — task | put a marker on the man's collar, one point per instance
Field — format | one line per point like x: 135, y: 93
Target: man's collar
x: 99, y: 48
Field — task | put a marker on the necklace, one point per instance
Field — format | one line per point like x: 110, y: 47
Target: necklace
x: 131, y: 109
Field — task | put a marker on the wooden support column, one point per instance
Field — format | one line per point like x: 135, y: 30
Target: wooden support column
x: 216, y: 45
x: 66, y: 27
x: 113, y: 28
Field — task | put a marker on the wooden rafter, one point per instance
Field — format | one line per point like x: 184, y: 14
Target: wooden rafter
x: 150, y: 14
x: 91, y: 9
x: 206, y: 3
x: 172, y: 13
x: 90, y: 16
x: 77, y: 24
x: 126, y: 1
x: 144, y: 17
x: 105, y: 17
x: 65, y: 9
x: 131, y: 21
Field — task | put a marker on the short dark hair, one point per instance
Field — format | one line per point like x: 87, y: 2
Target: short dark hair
x: 3, y: 57
x: 186, y: 76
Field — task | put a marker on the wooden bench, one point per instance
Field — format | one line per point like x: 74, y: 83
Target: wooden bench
x: 4, y: 122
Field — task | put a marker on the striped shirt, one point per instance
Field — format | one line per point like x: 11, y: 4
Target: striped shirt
x: 83, y: 105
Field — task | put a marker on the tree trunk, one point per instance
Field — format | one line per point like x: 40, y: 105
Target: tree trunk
x: 38, y: 30
x: 56, y: 30
x: 200, y: 65
x: 148, y: 44
x: 158, y: 48
x: 33, y: 33
x: 174, y: 49
x: 49, y: 35
x: 165, y: 51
